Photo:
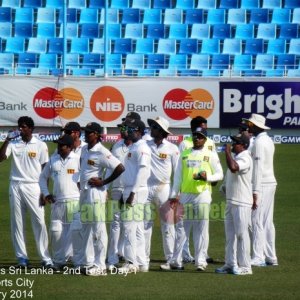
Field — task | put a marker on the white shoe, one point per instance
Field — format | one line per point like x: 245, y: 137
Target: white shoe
x: 96, y: 271
x: 144, y: 268
x: 111, y: 268
x: 257, y: 263
x: 201, y: 267
x: 224, y: 270
x: 273, y: 263
x: 242, y: 271
x: 171, y: 267
x: 128, y: 268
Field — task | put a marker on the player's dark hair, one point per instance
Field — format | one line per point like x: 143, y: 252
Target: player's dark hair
x: 195, y: 122
x: 27, y: 121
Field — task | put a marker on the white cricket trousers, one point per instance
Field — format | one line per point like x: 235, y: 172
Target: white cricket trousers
x: 237, y: 250
x: 62, y: 215
x: 263, y: 229
x: 23, y: 196
x: 196, y: 209
x: 116, y: 236
x: 133, y: 225
x: 93, y: 232
x: 158, y: 197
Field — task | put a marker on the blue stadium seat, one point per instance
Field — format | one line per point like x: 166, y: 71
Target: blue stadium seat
x: 77, y: 4
x: 54, y: 3
x: 15, y: 45
x: 185, y: 4
x: 89, y: 15
x: 90, y: 30
x: 288, y: 31
x: 146, y: 73
x: 232, y: 46
x: 253, y: 73
x: 123, y: 46
x: 72, y: 60
x: 221, y: 31
x: 266, y: 31
x: 188, y: 46
x: 291, y: 3
x: 207, y: 4
x: 237, y: 16
x: 259, y: 15
x: 46, y: 15
x: 24, y: 15
x: 275, y: 73
x: 71, y: 15
x: 296, y: 16
x: 152, y: 16
x: 166, y: 46
x: 229, y: 4
x: 189, y: 72
x: 5, y: 30
x: 167, y: 73
x: 200, y: 31
x: 5, y: 14
x: 210, y: 46
x: 114, y: 31
x: 113, y: 16
x: 114, y: 62
x: 135, y: 61
x: 194, y: 16
x: 281, y: 15
x: 156, y: 61
x: 37, y: 45
x: 46, y: 30
x: 79, y: 45
x: 276, y: 46
x: 25, y: 62
x: 220, y: 61
x: 144, y: 46
x: 81, y: 72
x: 173, y: 16
x: 23, y: 30
x: 242, y: 62
x: 92, y: 61
x: 7, y: 62
x: 96, y: 4
x: 264, y: 61
x: 200, y: 61
x: 142, y: 4
x: 178, y: 61
x: 32, y: 3
x: 250, y: 4
x: 244, y: 31
x: 99, y: 46
x: 48, y: 60
x: 131, y: 15
x: 294, y: 47
x: 119, y: 4
x: 72, y: 30
x: 11, y: 3
x: 134, y: 31
x: 40, y: 71
x: 286, y: 61
x: 156, y: 31
x: 293, y: 73
x: 55, y: 45
x: 162, y: 4
x: 254, y: 46
x: 272, y: 4
x: 231, y: 73
x: 216, y: 16
x: 212, y: 73
x: 178, y: 31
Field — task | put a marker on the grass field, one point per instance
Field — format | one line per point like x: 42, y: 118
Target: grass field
x: 280, y: 282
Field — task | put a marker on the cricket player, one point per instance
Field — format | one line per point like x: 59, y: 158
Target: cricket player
x: 164, y: 159
x: 63, y: 168
x: 238, y: 192
x: 29, y: 156
x: 135, y: 177
x: 196, y: 170
x: 264, y: 188
x: 95, y: 160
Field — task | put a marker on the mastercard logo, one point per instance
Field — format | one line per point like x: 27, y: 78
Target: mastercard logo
x: 179, y: 104
x: 50, y: 103
x: 107, y: 103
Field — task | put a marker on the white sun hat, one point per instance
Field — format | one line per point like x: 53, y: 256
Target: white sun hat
x: 162, y: 122
x: 258, y: 120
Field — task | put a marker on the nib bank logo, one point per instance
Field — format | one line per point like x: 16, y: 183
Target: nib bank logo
x: 49, y: 103
x: 107, y: 103
x: 179, y: 104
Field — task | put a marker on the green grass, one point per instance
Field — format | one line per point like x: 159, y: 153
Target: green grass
x: 266, y: 283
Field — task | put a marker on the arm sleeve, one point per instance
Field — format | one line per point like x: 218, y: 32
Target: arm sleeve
x: 217, y: 171
x: 44, y: 154
x: 44, y: 179
x: 244, y: 164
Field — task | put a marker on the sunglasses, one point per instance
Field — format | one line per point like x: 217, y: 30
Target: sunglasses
x: 132, y: 129
x: 198, y: 136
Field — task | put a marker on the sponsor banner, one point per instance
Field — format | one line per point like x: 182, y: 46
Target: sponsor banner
x: 279, y: 102
x: 55, y: 101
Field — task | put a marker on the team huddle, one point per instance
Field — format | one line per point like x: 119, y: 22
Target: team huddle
x: 126, y: 186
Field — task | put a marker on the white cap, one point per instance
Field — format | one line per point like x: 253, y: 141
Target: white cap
x: 258, y: 120
x: 162, y: 122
